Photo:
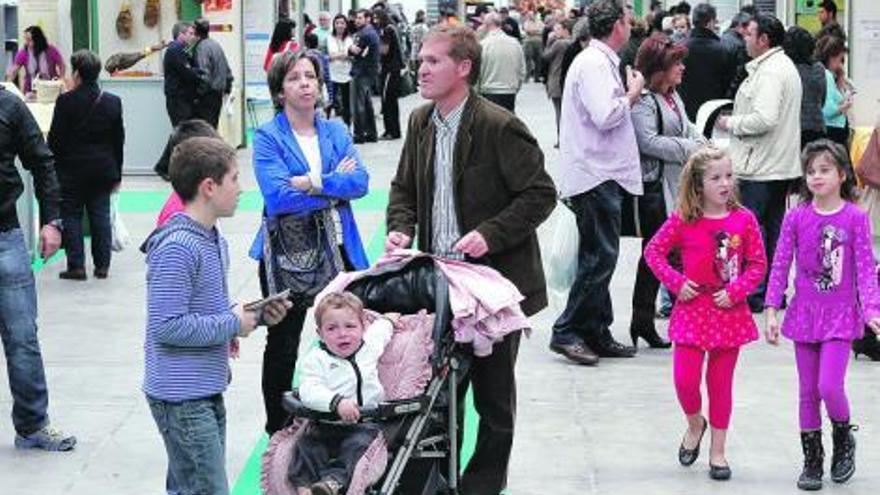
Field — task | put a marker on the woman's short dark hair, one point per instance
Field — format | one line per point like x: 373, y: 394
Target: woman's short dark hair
x: 837, y: 153
x: 603, y: 15
x: 829, y: 47
x: 39, y: 39
x: 281, y: 65
x: 86, y: 64
x: 656, y: 55
x: 799, y: 45
x: 195, y: 160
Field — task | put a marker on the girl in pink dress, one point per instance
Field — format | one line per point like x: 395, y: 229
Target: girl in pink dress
x: 723, y: 258
x: 835, y: 296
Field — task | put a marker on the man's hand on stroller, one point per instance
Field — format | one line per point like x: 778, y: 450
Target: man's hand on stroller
x: 397, y: 240
x: 473, y: 244
x: 348, y: 410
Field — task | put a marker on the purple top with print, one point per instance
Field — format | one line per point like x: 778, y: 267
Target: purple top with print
x: 835, y: 280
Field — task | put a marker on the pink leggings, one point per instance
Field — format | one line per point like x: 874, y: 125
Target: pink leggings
x: 688, y: 373
x: 821, y: 374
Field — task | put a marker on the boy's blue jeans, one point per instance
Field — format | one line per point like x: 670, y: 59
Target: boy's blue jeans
x: 18, y: 328
x: 194, y: 432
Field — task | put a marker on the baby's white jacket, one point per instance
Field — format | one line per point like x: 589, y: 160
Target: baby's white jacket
x: 326, y: 379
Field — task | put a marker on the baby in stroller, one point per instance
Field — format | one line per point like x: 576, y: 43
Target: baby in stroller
x: 340, y: 375
x: 444, y: 304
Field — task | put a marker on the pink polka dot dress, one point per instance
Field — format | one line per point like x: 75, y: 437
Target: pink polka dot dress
x: 717, y: 253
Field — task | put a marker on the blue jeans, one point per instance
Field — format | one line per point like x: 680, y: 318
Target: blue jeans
x: 588, y: 314
x: 18, y: 328
x: 362, y: 108
x: 194, y: 432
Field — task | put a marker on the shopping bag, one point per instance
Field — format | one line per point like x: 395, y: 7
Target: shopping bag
x: 562, y: 260
x: 121, y: 238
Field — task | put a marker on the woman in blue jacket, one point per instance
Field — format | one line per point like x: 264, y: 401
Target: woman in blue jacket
x: 304, y: 164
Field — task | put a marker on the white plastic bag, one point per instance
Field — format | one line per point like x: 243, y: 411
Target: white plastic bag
x: 121, y: 238
x: 563, y: 256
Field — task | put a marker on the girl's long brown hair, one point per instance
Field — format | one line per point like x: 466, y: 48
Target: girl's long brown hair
x: 690, y: 192
x: 837, y: 154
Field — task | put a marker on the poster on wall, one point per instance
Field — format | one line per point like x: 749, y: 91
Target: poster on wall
x: 217, y: 5
x: 258, y: 22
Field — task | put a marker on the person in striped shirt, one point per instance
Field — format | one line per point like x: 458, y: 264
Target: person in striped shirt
x: 190, y: 320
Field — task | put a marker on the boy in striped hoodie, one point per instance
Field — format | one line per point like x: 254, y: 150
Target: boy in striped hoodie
x: 190, y: 320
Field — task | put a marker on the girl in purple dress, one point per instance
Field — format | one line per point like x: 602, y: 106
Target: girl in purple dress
x: 835, y: 296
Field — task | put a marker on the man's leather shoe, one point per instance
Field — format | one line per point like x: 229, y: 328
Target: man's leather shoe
x: 578, y: 353
x: 73, y: 274
x: 614, y: 349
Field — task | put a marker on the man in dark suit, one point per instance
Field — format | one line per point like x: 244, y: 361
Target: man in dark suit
x: 709, y: 66
x: 181, y: 81
x: 471, y: 181
x: 180, y: 77
x: 216, y: 77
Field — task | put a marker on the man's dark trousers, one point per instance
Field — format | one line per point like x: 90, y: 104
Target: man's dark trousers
x: 493, y: 381
x: 208, y: 108
x: 505, y: 100
x: 362, y: 108
x: 588, y: 315
x: 766, y: 199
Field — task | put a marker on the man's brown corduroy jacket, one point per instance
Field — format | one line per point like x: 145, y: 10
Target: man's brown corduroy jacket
x: 500, y: 185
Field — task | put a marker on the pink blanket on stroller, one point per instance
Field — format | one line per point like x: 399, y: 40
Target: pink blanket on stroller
x: 485, y: 305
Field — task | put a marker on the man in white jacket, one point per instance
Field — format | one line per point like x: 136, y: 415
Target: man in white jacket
x: 503, y: 68
x: 765, y: 132
x: 341, y: 375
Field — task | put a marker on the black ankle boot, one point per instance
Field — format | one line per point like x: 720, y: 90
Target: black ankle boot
x: 867, y: 346
x: 649, y: 333
x: 843, y: 460
x: 814, y: 457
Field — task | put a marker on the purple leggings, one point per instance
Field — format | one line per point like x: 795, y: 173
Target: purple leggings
x: 821, y: 374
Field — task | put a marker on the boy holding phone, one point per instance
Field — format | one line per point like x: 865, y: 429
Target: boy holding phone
x: 190, y: 320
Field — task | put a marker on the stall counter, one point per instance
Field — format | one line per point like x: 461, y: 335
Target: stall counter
x: 146, y: 121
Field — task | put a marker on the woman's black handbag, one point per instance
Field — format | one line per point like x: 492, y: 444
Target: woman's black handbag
x: 407, y: 85
x: 302, y: 254
x: 645, y: 213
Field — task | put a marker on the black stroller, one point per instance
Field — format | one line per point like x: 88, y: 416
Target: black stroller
x: 420, y: 442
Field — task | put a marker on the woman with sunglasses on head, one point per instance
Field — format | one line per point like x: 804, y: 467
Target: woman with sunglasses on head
x: 666, y: 138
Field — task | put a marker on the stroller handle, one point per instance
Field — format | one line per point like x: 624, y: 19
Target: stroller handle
x: 382, y: 411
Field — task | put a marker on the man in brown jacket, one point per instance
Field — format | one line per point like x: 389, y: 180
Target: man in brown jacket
x: 471, y: 184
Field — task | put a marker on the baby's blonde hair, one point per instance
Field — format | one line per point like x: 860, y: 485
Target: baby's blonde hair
x: 338, y: 300
x: 690, y: 192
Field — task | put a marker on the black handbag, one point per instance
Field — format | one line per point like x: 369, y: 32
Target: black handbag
x: 407, y: 85
x: 634, y: 209
x: 301, y: 254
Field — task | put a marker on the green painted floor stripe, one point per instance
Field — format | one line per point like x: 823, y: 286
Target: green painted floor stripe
x: 248, y: 481
x: 152, y: 201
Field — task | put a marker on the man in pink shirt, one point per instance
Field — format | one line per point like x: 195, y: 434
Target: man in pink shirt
x: 600, y: 159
